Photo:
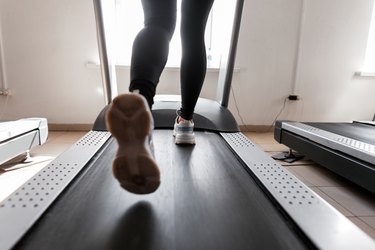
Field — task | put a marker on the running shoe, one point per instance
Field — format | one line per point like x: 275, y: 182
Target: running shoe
x: 130, y: 122
x: 183, y: 131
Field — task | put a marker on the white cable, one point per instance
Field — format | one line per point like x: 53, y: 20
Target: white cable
x: 237, y: 108
x: 302, y: 109
x: 280, y: 112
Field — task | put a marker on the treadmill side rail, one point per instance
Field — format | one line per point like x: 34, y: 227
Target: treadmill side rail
x: 323, y: 224
x: 20, y: 210
x: 360, y: 150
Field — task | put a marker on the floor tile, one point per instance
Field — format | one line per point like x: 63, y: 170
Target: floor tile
x: 363, y: 226
x: 358, y: 201
x: 265, y: 141
x: 300, y: 177
x: 68, y: 137
x: 332, y: 202
x: 50, y: 149
x: 320, y: 176
x: 272, y: 147
x: 369, y: 221
x: 52, y: 135
x: 261, y: 138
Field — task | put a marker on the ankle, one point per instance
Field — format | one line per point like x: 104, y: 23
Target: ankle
x: 180, y: 119
x: 149, y: 97
x: 183, y: 115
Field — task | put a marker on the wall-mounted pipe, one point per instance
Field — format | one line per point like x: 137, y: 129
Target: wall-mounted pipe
x: 3, y: 81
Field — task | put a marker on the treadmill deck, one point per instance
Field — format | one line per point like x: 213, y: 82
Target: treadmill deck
x: 208, y: 199
x: 196, y: 207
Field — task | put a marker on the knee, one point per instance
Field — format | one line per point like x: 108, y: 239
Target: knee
x: 164, y: 24
x: 192, y: 32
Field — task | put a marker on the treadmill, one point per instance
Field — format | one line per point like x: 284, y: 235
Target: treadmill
x: 348, y: 149
x: 222, y: 193
x: 20, y: 136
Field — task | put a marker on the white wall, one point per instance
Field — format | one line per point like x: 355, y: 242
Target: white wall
x: 334, y: 47
x: 48, y: 42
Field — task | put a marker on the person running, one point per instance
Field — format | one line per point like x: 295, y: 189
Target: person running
x: 129, y: 117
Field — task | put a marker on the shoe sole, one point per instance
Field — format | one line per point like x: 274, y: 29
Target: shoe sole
x: 181, y: 139
x: 128, y: 119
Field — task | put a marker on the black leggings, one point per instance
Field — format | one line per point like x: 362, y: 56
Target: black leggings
x: 151, y: 47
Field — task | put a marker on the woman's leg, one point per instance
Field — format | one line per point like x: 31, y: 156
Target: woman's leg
x: 194, y: 15
x: 129, y: 117
x: 151, y: 46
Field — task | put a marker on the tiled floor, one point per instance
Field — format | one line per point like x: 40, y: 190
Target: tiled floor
x: 353, y: 202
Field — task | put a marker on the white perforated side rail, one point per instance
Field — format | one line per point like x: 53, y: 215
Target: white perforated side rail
x: 358, y: 149
x: 20, y: 210
x: 326, y: 227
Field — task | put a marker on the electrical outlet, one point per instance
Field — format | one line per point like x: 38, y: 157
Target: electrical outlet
x: 293, y: 97
x: 5, y: 92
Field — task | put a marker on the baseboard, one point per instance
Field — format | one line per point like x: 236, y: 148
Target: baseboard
x: 69, y: 127
x: 257, y: 128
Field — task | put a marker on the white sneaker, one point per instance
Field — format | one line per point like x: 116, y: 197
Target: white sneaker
x: 184, y: 131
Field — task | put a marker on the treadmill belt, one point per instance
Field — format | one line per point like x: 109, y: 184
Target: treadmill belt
x: 207, y: 200
x: 361, y: 132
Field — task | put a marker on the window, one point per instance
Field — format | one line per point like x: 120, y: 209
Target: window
x: 129, y: 20
x: 369, y: 65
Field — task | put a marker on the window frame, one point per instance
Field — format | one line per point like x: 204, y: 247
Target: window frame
x: 124, y: 48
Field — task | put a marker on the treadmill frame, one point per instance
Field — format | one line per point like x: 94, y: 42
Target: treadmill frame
x: 18, y: 137
x: 325, y: 149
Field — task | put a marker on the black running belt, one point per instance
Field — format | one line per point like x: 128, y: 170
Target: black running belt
x: 357, y: 131
x: 207, y: 200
